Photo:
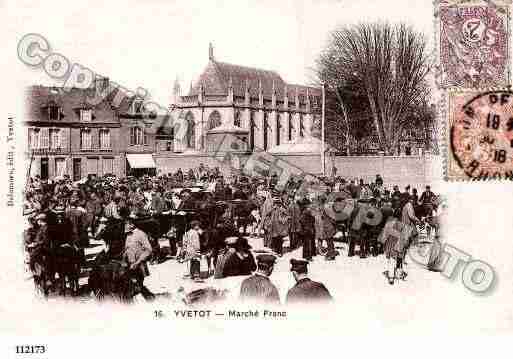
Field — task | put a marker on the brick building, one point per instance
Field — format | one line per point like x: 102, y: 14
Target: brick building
x: 78, y: 132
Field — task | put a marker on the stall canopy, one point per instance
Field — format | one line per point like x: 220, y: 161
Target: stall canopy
x: 140, y: 160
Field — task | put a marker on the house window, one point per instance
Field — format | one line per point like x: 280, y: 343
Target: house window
x: 85, y: 139
x: 45, y: 138
x: 104, y: 139
x: 33, y: 138
x: 60, y: 166
x: 190, y: 134
x: 55, y: 138
x: 137, y: 136
x: 86, y: 115
x: 53, y: 113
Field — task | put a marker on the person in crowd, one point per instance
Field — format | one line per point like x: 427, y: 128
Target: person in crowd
x: 427, y: 199
x: 306, y: 235
x: 112, y: 209
x: 39, y: 250
x: 157, y: 203
x: 192, y: 249
x: 305, y: 291
x: 266, y: 209
x: 325, y: 229
x: 305, y: 223
x: 294, y: 222
x: 137, y: 252
x: 230, y: 249
x: 379, y: 180
x: 278, y: 226
x: 395, y: 197
x: 258, y: 287
x: 78, y: 218
x: 240, y: 262
x: 179, y: 175
x: 94, y: 208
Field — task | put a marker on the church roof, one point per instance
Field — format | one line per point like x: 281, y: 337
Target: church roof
x: 217, y: 77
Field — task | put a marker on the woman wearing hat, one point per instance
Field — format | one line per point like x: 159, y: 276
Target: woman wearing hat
x: 241, y: 261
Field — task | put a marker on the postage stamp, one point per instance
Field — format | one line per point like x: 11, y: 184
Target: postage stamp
x: 480, y: 135
x: 473, y: 43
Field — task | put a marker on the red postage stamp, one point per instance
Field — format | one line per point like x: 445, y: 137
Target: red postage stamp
x: 480, y: 135
x: 473, y: 44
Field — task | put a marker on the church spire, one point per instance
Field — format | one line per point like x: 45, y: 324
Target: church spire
x: 177, y: 91
x: 210, y: 52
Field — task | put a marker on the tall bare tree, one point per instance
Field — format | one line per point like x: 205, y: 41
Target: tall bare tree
x: 382, y: 63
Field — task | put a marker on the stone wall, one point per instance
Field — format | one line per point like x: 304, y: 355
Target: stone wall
x: 401, y: 170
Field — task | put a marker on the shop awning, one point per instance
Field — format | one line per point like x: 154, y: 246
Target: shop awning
x: 140, y: 160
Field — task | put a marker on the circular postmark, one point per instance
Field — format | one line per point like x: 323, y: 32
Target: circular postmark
x: 482, y: 136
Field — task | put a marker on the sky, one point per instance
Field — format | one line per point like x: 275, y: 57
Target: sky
x: 151, y: 43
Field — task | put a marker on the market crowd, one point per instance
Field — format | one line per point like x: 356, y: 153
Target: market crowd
x: 206, y: 216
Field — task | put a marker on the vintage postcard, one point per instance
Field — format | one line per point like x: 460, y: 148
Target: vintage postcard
x: 177, y: 171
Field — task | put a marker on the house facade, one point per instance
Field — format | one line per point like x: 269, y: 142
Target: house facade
x: 76, y: 132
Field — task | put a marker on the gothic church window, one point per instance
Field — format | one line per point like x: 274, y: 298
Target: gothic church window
x: 191, y: 131
x: 236, y: 119
x: 214, y: 120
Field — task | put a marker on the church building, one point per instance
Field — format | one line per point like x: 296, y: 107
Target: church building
x: 257, y: 106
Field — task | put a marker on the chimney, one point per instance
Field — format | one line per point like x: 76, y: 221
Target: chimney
x: 210, y: 52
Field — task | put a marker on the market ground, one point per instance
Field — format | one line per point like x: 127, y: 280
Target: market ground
x: 360, y: 277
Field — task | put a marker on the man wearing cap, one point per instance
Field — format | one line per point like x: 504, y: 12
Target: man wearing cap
x: 305, y: 290
x: 258, y: 287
